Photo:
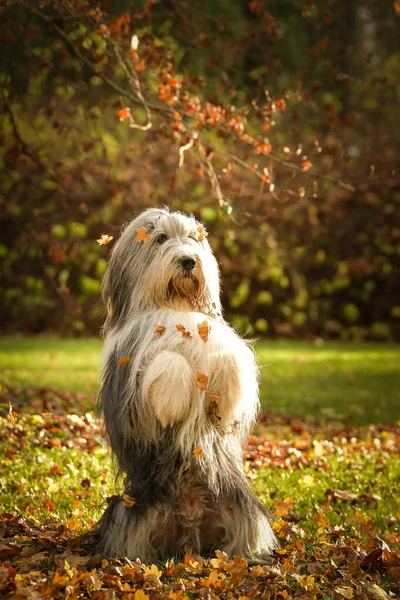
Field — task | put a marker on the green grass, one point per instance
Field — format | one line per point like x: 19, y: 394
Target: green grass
x: 360, y: 382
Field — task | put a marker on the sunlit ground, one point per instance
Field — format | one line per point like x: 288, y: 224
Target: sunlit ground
x: 360, y: 382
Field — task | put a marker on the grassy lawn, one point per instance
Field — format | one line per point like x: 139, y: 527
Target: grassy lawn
x: 325, y: 460
x: 360, y: 382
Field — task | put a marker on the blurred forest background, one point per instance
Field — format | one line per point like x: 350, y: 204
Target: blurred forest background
x: 276, y: 122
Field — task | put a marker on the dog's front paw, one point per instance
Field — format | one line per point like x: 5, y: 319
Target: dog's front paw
x: 167, y: 386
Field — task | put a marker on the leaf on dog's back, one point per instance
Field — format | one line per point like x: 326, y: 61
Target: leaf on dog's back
x: 142, y: 235
x: 128, y: 500
x: 198, y: 453
x: 124, y: 360
x: 204, y: 329
x: 185, y: 334
x: 201, y: 380
x: 159, y: 330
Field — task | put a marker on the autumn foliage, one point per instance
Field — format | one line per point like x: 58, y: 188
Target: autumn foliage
x: 274, y: 122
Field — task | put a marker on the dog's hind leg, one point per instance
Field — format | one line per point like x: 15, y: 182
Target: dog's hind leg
x: 167, y: 385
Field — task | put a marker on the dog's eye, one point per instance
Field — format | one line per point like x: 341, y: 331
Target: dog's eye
x: 160, y: 239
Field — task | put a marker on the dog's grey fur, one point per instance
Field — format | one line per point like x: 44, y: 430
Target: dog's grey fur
x: 155, y: 415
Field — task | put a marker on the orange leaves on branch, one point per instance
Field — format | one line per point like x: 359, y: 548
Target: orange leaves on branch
x: 105, y: 239
x: 263, y: 148
x: 124, y: 113
x: 198, y: 453
x: 281, y: 104
x: 201, y: 381
x: 124, y: 360
x: 204, y: 329
x: 266, y: 176
x: 142, y: 235
x: 159, y: 330
x: 128, y: 501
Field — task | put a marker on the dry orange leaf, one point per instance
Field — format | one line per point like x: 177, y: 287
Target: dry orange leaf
x: 187, y: 335
x: 105, y: 239
x: 124, y: 113
x: 124, y: 360
x: 128, y: 500
x: 201, y: 233
x: 142, y: 235
x: 204, y: 329
x: 201, y: 381
x: 159, y: 330
x: 180, y: 327
x: 198, y: 453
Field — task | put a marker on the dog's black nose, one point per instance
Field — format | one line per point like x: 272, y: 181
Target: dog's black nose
x: 188, y: 263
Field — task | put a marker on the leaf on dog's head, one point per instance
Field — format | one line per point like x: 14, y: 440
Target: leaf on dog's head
x: 198, y: 453
x: 104, y: 239
x: 201, y: 381
x: 180, y: 327
x: 142, y: 235
x: 201, y: 233
x: 128, y: 500
x: 159, y: 330
x: 204, y: 329
x: 124, y: 360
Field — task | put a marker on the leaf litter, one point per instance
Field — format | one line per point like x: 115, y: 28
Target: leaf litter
x: 330, y: 544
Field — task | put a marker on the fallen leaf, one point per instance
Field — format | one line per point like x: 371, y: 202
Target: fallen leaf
x: 159, y: 330
x: 180, y: 327
x: 198, y: 453
x: 201, y: 381
x: 204, y: 329
x: 124, y: 360
x: 142, y: 235
x: 187, y: 335
x: 346, y: 592
x: 105, y: 239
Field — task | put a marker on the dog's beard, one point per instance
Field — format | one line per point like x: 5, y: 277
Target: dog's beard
x: 187, y: 289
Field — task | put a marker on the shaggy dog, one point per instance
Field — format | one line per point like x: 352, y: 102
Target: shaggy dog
x: 179, y: 396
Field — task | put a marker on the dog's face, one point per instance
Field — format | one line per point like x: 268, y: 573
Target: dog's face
x: 161, y: 259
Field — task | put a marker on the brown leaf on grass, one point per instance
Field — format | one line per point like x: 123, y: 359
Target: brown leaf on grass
x: 342, y: 495
x: 283, y: 507
x: 201, y: 381
x: 124, y: 360
x: 142, y: 235
x: 204, y: 329
x: 128, y: 501
x: 12, y: 415
x: 159, y: 330
x: 104, y: 239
